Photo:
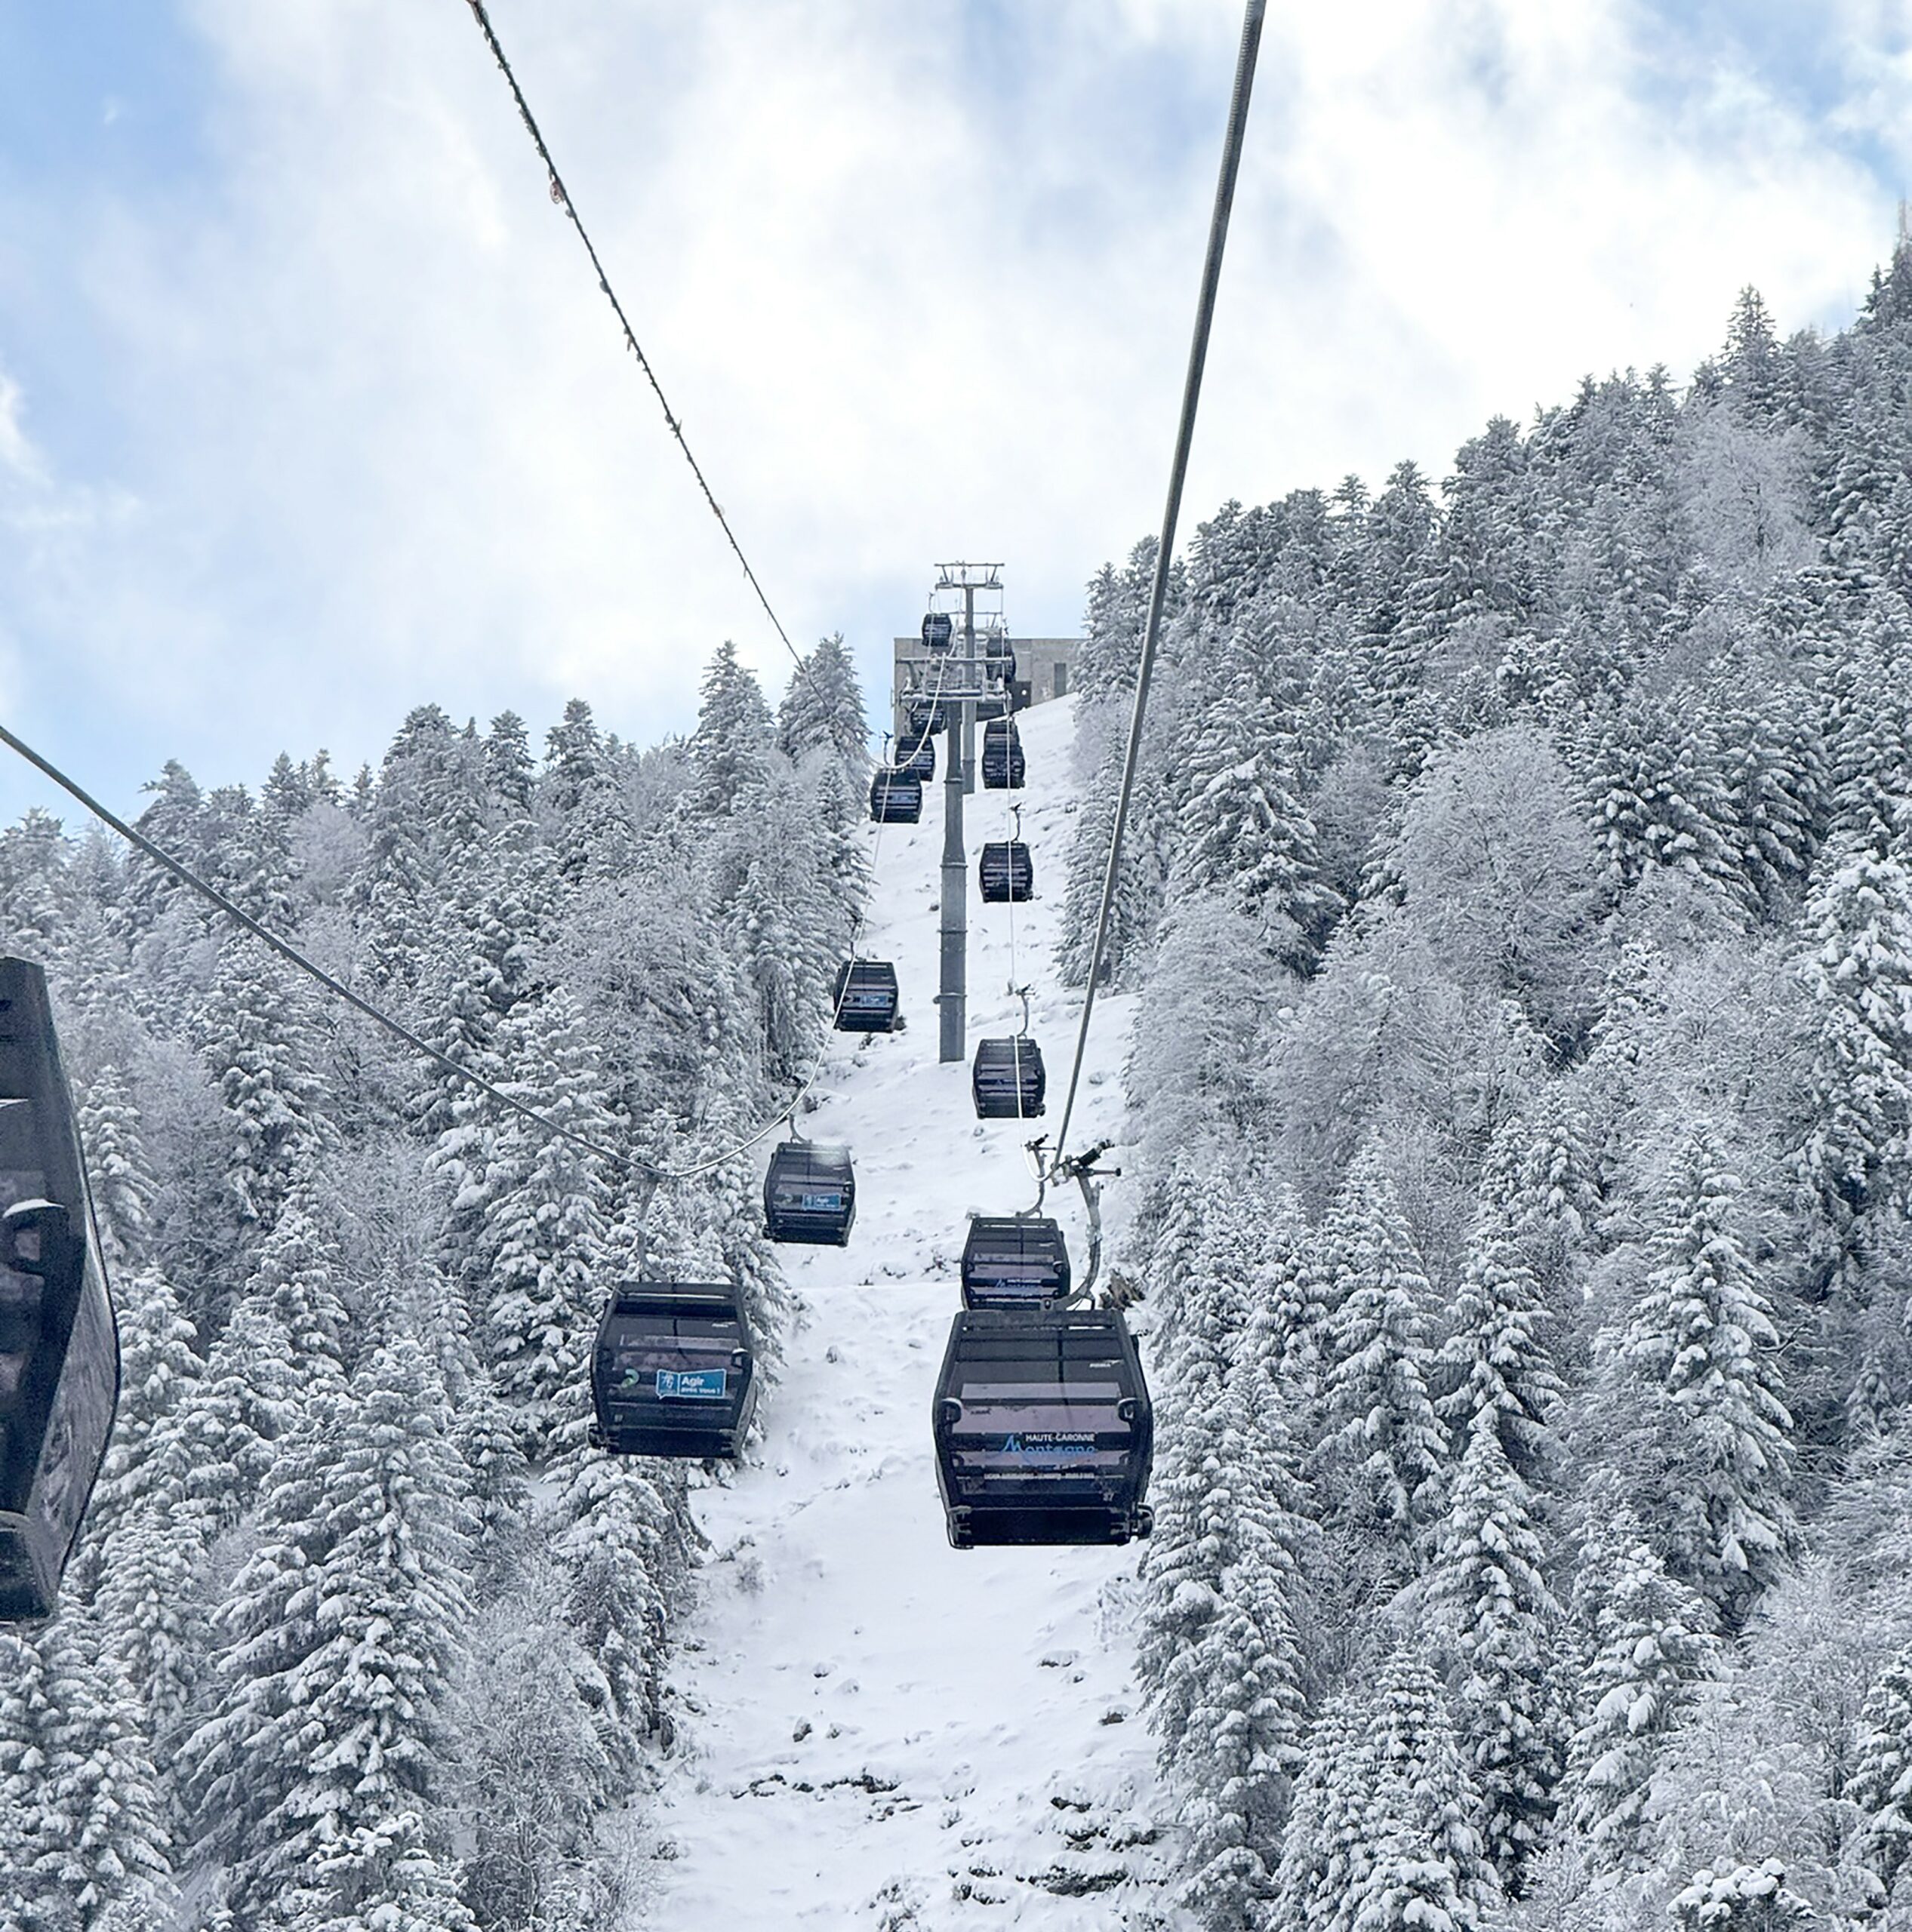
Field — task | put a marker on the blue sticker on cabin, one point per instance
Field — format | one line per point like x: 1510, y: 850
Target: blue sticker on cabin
x: 827, y: 1204
x: 693, y: 1385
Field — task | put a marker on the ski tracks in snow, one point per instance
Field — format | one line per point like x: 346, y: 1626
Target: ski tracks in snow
x: 873, y: 1729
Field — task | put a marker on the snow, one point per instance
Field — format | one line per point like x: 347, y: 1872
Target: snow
x: 873, y: 1728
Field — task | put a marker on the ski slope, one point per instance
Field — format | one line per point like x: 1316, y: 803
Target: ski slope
x: 873, y: 1729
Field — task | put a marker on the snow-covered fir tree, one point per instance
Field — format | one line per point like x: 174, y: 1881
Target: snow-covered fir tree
x: 1698, y: 1346
x: 1502, y: 1627
x: 547, y: 1219
x: 1383, y: 1452
x: 822, y: 710
x: 1495, y: 1359
x: 84, y: 1839
x: 1650, y: 1641
x: 260, y: 1042
x: 1424, y: 1861
x: 119, y: 1170
x: 1324, y: 1859
x: 1857, y: 1155
x: 159, y: 1367
x: 731, y: 747
x: 317, y: 1770
x: 1882, y: 1777
x: 1238, y: 1690
x: 1381, y: 1834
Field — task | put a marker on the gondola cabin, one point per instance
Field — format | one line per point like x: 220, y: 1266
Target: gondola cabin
x: 59, y: 1347
x: 866, y: 1000
x: 810, y: 1194
x: 1004, y: 767
x: 916, y: 759
x: 999, y: 657
x: 1042, y: 1428
x: 1006, y: 872
x: 1007, y: 1078
x: 937, y: 631
x: 927, y: 715
x: 1015, y: 1261
x: 672, y: 1373
x: 895, y: 798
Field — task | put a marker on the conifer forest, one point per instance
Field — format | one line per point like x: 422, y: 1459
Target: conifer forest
x: 1514, y: 929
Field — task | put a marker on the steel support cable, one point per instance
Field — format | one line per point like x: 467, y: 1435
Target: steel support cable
x: 562, y: 195
x: 1224, y: 200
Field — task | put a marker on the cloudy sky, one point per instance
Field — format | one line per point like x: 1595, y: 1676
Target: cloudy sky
x: 310, y: 411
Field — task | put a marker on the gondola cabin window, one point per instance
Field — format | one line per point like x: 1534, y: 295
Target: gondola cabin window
x: 687, y: 1359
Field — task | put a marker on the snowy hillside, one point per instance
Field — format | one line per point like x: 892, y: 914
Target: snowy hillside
x: 1512, y: 954
x: 871, y: 1727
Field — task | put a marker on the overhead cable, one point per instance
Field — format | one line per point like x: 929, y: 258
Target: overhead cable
x: 1224, y: 200
x: 562, y: 195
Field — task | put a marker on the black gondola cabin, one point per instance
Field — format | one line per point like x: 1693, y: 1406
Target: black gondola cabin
x: 927, y: 715
x: 1042, y: 1428
x: 895, y: 798
x: 1006, y: 872
x: 673, y: 1373
x: 916, y: 759
x: 1004, y: 766
x: 810, y: 1194
x: 937, y: 631
x: 1007, y: 1078
x: 867, y: 998
x: 1015, y: 1261
x: 59, y: 1347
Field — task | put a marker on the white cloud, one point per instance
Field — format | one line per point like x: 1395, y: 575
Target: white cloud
x: 910, y: 302
x: 17, y: 455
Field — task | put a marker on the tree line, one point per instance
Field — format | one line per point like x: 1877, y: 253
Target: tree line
x: 1520, y: 897
x: 362, y: 1636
